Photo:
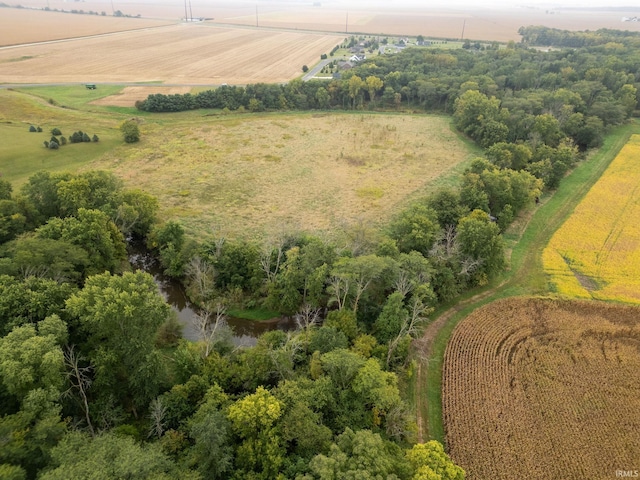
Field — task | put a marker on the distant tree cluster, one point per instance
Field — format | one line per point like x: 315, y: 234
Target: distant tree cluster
x: 57, y: 139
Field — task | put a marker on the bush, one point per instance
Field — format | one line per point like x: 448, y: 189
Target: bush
x: 63, y: 141
x: 46, y: 144
x: 54, y: 146
x: 95, y: 138
x: 56, y: 131
x: 130, y: 131
x: 54, y: 140
x: 32, y: 129
x: 86, y: 138
x: 305, y: 69
x: 39, y: 129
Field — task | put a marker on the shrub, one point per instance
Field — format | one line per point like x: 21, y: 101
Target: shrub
x: 39, y: 129
x: 32, y: 129
x: 305, y: 69
x: 130, y: 131
x: 63, y: 141
x: 56, y: 131
x: 95, y: 138
x: 46, y: 144
x: 53, y: 145
x: 85, y: 137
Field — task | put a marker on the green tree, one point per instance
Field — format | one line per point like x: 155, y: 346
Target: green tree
x: 32, y: 358
x: 359, y: 455
x: 5, y: 189
x: 374, y: 85
x: 93, y: 231
x: 415, y: 229
x: 323, y: 98
x: 210, y: 430
x: 110, y: 456
x: 429, y: 461
x: 390, y: 320
x: 29, y: 435
x: 13, y: 222
x: 481, y: 242
x: 30, y: 300
x: 355, y: 87
x: 130, y: 131
x: 120, y: 315
x: 261, y: 454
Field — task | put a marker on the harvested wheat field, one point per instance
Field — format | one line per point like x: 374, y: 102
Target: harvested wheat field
x: 544, y: 389
x: 251, y: 176
x: 19, y: 25
x: 175, y: 54
x: 596, y: 252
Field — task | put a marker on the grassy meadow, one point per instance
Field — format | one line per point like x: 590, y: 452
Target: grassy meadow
x: 241, y: 175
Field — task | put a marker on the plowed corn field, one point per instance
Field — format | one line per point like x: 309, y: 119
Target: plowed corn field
x: 596, y: 252
x: 544, y: 389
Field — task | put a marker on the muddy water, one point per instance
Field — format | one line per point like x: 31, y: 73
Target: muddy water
x: 245, y: 332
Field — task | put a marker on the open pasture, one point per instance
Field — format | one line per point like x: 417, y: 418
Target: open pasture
x: 175, y: 54
x: 596, y: 252
x: 22, y: 152
x: 253, y: 175
x: 20, y: 26
x: 544, y: 389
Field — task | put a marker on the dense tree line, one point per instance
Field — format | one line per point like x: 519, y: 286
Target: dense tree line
x: 545, y: 36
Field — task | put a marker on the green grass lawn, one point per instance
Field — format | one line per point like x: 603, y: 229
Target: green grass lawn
x: 255, y: 314
x: 72, y: 96
x: 22, y: 153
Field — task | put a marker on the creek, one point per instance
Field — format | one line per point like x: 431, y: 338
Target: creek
x: 245, y: 332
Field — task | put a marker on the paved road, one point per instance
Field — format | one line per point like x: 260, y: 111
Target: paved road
x: 315, y: 70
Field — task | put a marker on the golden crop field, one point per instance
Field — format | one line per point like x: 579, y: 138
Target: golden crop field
x: 253, y: 175
x: 596, y: 252
x: 174, y: 54
x: 19, y: 26
x: 544, y: 389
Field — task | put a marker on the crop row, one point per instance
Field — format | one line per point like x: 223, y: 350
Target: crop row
x: 536, y: 388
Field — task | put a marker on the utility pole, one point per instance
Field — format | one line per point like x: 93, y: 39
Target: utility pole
x: 257, y: 25
x: 464, y: 22
x: 190, y: 11
x: 346, y: 24
x: 186, y: 16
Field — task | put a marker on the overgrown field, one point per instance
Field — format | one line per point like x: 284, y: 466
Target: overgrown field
x: 178, y: 54
x: 596, y: 253
x: 255, y: 175
x: 545, y: 389
x: 243, y: 175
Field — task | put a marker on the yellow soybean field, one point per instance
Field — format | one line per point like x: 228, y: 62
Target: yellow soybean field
x: 596, y: 252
